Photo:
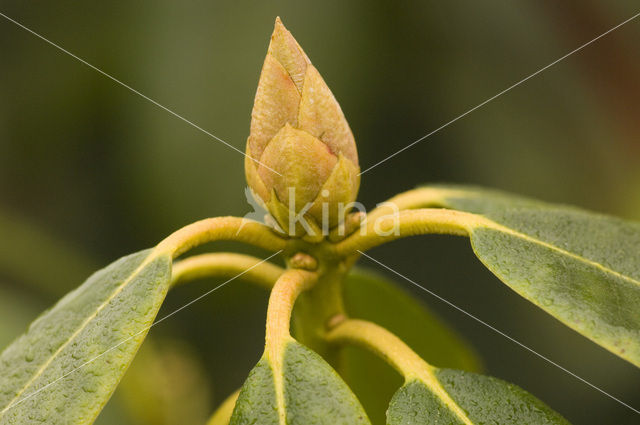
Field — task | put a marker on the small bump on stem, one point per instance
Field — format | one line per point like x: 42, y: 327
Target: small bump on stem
x: 303, y: 261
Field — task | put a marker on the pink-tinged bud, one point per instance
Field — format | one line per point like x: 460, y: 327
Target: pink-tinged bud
x: 302, y: 162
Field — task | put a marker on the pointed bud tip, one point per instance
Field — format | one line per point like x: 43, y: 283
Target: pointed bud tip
x: 279, y: 28
x: 284, y: 48
x: 299, y: 130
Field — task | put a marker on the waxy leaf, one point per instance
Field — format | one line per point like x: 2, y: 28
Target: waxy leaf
x: 372, y: 297
x: 303, y: 390
x: 67, y: 365
x: 453, y: 397
x: 582, y: 268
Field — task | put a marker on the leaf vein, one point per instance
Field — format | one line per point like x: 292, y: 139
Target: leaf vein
x: 16, y: 399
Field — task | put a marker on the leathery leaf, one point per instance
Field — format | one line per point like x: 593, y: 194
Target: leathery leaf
x: 301, y: 390
x: 454, y: 397
x: 373, y: 297
x: 68, y: 363
x: 582, y: 268
x: 432, y: 395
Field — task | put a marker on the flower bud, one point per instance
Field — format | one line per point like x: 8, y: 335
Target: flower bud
x: 301, y: 162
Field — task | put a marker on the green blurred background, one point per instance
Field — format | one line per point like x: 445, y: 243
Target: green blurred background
x: 90, y: 172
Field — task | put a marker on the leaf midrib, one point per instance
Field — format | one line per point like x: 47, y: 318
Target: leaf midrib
x: 275, y: 354
x: 77, y: 332
x: 441, y: 197
x: 490, y: 224
x: 429, y: 379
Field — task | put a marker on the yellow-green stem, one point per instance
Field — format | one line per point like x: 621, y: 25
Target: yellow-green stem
x: 397, y: 354
x: 423, y: 197
x: 387, y: 228
x: 283, y: 296
x: 227, y: 265
x: 317, y: 306
x: 221, y: 228
x: 380, y: 341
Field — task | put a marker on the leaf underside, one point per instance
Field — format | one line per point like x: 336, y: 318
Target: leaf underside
x: 66, y: 366
x: 482, y: 399
x: 313, y: 393
x: 582, y: 268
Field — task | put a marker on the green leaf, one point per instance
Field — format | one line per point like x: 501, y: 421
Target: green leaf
x: 307, y: 388
x: 451, y: 397
x: 583, y: 268
x: 65, y: 368
x: 371, y: 297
